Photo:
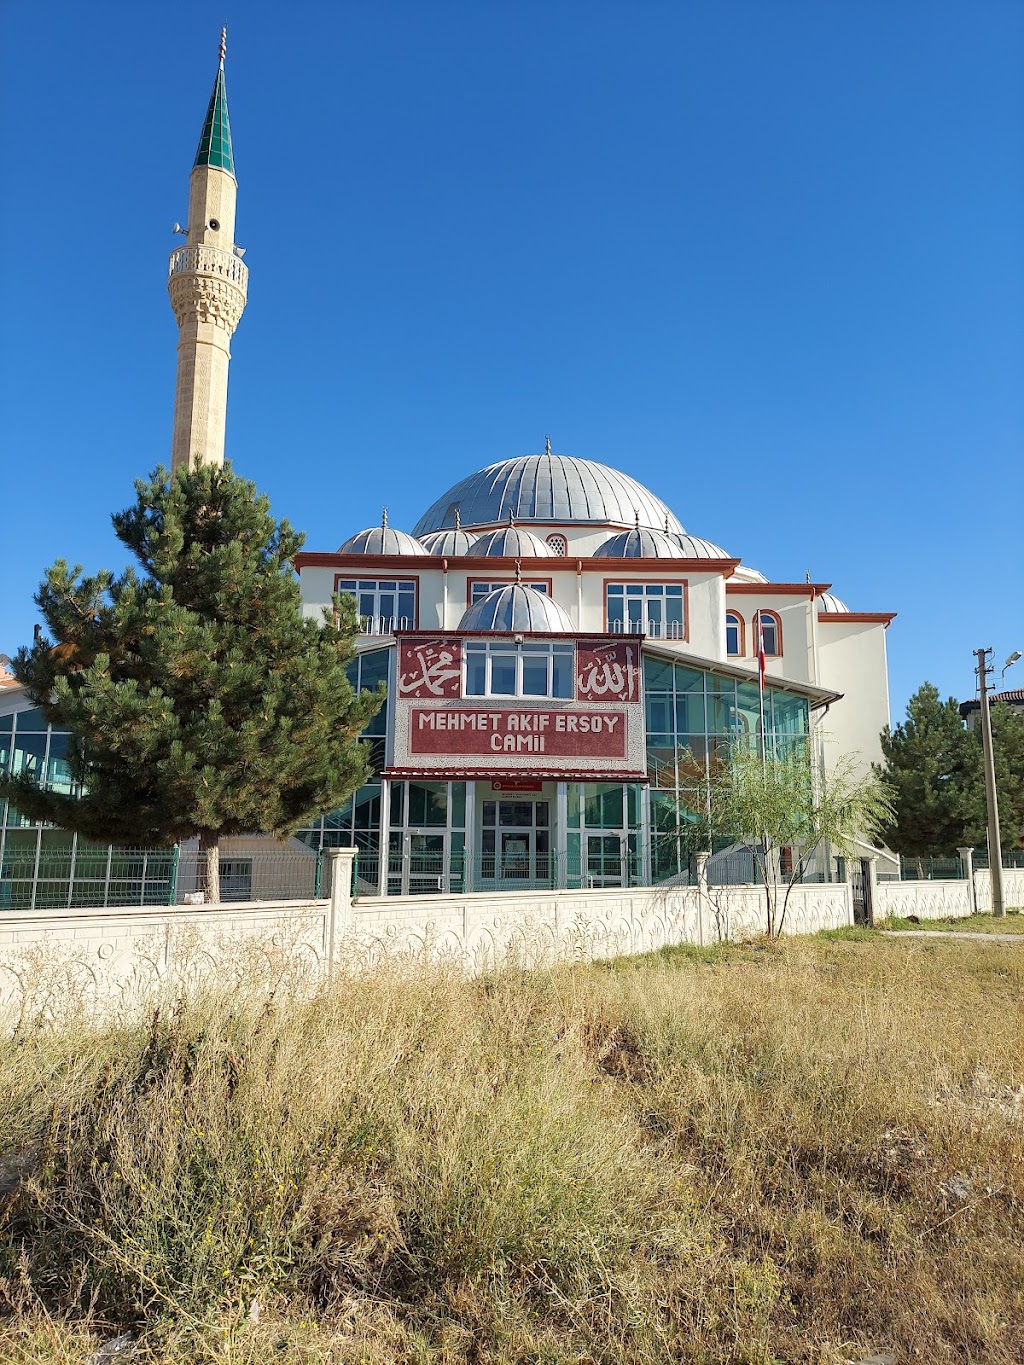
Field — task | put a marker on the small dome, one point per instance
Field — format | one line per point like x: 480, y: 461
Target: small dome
x: 640, y: 543
x: 695, y: 548
x: 453, y: 542
x: 832, y: 604
x: 381, y: 540
x: 511, y: 542
x: 745, y: 574
x: 517, y: 607
x: 547, y: 488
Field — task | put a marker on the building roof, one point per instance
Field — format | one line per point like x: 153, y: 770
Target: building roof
x: 829, y: 602
x: 215, y: 141
x: 449, y: 543
x: 640, y: 543
x: 548, y: 488
x: 515, y: 607
x: 695, y: 548
x: 511, y: 542
x: 1014, y: 696
x: 382, y: 540
x: 744, y: 573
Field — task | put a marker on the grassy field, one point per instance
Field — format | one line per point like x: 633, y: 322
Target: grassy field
x: 1010, y: 923
x: 800, y: 1153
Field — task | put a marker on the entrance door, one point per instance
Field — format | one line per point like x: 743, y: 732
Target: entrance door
x: 605, y: 860
x: 515, y: 846
x: 420, y: 868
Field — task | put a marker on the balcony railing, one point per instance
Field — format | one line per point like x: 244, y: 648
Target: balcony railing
x: 657, y: 630
x: 209, y: 260
x: 384, y: 625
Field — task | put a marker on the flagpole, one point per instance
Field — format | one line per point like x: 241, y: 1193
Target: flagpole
x: 760, y: 685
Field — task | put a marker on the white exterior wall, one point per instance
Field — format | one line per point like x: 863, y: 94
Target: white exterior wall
x: 852, y: 661
x: 796, y: 663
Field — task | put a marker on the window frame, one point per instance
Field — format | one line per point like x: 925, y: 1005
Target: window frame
x: 776, y: 619
x: 741, y: 636
x: 356, y: 578
x: 495, y: 583
x: 661, y: 582
x: 532, y: 648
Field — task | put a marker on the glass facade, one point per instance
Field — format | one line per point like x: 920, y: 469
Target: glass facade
x: 359, y: 821
x: 693, y: 717
x: 45, y: 868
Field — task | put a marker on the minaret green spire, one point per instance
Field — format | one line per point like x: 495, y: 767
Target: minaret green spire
x: 215, y: 143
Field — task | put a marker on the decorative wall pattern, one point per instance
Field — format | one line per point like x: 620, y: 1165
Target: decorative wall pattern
x: 120, y: 956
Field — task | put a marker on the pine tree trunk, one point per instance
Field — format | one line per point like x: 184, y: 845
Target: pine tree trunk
x: 209, y: 866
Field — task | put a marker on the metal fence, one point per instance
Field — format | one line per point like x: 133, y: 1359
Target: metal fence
x: 101, y: 877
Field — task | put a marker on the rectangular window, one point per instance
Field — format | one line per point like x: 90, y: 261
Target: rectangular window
x: 384, y: 604
x: 653, y: 609
x: 479, y: 588
x: 527, y: 670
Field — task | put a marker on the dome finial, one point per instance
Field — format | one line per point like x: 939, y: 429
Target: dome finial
x: 223, y: 43
x: 458, y: 520
x: 519, y: 571
x: 807, y: 577
x: 384, y: 520
x: 636, y: 513
x: 511, y: 517
x: 667, y: 532
x: 547, y: 445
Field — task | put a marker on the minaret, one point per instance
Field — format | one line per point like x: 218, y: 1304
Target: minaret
x: 207, y: 285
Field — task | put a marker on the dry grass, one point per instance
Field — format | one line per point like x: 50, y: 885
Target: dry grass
x: 796, y: 1153
x: 1010, y: 923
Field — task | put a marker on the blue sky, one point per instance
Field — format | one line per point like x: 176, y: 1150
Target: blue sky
x: 765, y: 256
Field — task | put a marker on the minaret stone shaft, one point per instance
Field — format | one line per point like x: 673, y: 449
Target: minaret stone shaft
x: 207, y: 284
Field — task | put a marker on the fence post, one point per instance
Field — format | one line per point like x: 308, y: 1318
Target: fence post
x: 702, y: 893
x: 341, y: 862
x: 870, y: 866
x: 967, y: 863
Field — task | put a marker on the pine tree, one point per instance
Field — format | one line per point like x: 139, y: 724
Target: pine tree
x: 198, y: 697
x: 925, y: 758
x: 1008, y: 757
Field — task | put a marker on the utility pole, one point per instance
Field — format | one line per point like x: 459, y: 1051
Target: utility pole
x: 995, y: 853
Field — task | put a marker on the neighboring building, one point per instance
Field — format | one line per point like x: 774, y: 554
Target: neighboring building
x: 559, y: 654
x: 1013, y: 698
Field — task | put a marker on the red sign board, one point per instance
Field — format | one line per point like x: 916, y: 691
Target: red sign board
x: 518, y: 784
x: 555, y: 733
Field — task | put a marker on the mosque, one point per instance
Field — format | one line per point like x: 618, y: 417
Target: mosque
x: 559, y: 649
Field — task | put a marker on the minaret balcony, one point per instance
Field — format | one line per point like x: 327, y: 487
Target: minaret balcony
x: 207, y: 284
x: 209, y: 260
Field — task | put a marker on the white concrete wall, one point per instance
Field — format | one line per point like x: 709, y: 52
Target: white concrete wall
x: 852, y: 660
x: 1013, y: 889
x: 124, y: 954
x: 948, y: 899
x: 926, y: 900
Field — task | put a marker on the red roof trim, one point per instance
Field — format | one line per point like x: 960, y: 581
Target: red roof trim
x: 506, y: 774
x: 777, y: 589
x: 864, y: 617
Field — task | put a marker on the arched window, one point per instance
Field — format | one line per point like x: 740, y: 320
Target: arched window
x: 559, y: 545
x: 733, y: 633
x: 771, y: 632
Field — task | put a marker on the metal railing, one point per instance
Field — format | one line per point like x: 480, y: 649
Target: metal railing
x: 103, y: 877
x: 655, y: 630
x: 383, y: 625
x: 209, y: 260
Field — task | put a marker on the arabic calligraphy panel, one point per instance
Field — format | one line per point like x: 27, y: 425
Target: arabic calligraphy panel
x: 607, y: 671
x: 430, y: 668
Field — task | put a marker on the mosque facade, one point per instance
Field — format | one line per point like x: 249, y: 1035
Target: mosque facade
x: 562, y: 656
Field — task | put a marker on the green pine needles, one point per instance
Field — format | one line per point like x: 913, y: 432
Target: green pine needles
x: 199, y: 698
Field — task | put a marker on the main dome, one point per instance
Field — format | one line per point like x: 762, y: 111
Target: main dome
x: 548, y: 488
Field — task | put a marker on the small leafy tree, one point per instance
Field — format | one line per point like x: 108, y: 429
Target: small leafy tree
x: 925, y: 760
x: 199, y: 698
x: 768, y: 806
